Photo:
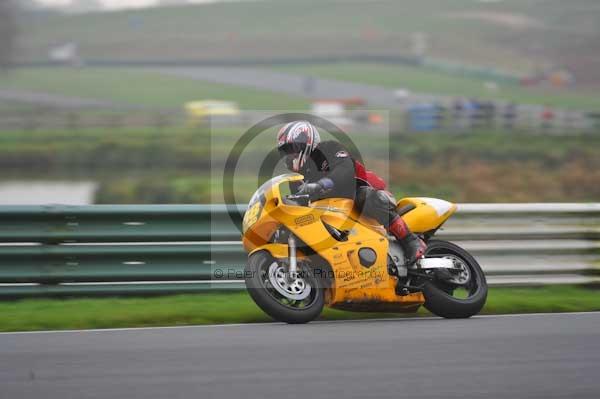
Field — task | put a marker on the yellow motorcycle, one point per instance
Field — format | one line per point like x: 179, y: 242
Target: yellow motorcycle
x: 304, y: 255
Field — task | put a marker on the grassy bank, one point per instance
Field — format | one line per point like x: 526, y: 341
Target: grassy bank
x: 217, y: 308
x: 500, y: 35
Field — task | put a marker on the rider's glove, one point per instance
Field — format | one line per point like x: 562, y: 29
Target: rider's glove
x: 323, y: 185
x: 310, y: 189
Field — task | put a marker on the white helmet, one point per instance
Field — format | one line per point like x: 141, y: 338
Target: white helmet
x: 297, y: 140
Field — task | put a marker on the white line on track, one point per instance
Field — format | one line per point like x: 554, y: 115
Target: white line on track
x: 398, y: 319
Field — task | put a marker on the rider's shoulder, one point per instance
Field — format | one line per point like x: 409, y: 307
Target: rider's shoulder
x: 334, y: 149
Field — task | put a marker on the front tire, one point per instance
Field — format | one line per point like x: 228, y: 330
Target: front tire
x: 440, y: 298
x: 296, y: 303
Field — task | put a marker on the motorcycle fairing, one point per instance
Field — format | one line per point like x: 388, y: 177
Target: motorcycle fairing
x: 354, y: 285
x: 428, y: 214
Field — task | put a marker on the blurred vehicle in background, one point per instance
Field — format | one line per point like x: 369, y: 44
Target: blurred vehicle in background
x: 401, y: 95
x: 338, y: 111
x: 332, y: 110
x: 200, y: 111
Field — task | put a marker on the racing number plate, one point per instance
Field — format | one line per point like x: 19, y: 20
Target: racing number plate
x: 252, y: 214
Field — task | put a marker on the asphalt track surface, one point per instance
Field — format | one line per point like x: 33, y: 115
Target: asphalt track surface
x: 256, y: 78
x: 528, y: 356
x: 291, y: 83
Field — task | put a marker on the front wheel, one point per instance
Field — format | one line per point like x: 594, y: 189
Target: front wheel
x: 294, y: 301
x: 462, y: 296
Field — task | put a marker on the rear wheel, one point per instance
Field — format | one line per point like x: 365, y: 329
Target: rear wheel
x: 464, y: 294
x: 293, y: 301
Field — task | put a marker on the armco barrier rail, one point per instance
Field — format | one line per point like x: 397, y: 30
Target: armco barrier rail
x: 135, y: 249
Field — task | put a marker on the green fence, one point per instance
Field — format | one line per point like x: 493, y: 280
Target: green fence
x: 60, y: 224
x: 118, y: 249
x: 155, y: 249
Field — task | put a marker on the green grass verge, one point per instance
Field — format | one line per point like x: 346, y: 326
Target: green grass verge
x: 136, y: 86
x: 217, y: 308
x: 425, y: 80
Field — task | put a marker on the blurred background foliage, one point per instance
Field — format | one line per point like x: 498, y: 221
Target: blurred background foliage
x: 176, y: 166
x: 99, y: 95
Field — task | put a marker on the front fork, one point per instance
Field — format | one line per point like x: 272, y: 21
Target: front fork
x: 293, y: 272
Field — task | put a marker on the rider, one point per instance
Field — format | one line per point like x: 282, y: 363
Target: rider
x: 331, y: 172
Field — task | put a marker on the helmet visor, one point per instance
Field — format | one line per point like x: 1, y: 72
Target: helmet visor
x: 290, y: 148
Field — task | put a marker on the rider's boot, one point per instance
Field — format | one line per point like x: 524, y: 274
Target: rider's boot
x: 414, y: 247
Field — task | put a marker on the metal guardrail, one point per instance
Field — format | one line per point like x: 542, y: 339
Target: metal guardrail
x: 135, y: 249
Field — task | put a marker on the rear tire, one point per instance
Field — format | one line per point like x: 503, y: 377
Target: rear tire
x: 272, y: 302
x: 438, y: 296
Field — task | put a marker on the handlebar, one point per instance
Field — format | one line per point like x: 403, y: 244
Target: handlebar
x: 298, y: 199
x: 297, y: 196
